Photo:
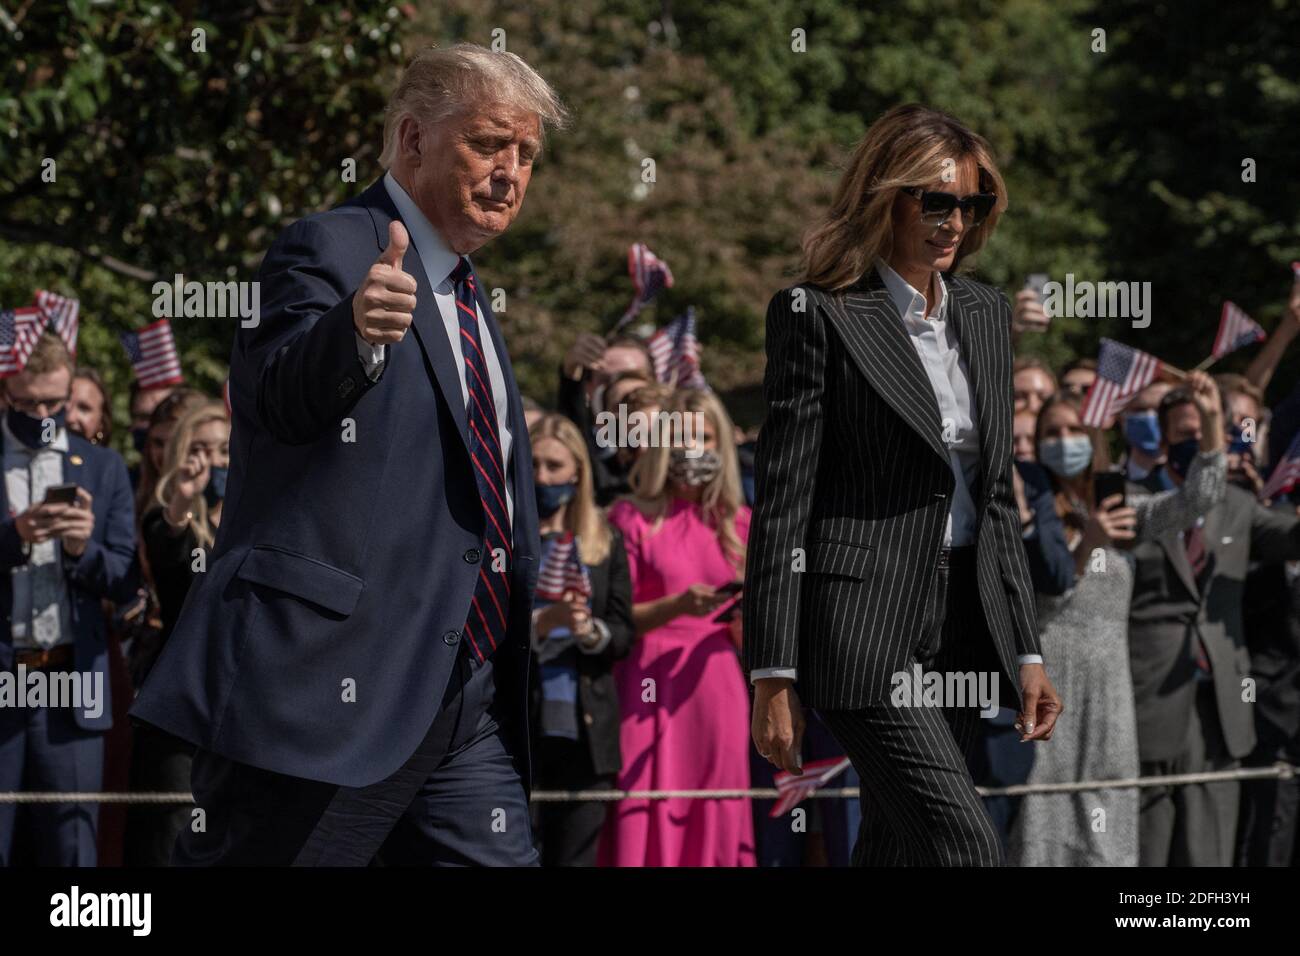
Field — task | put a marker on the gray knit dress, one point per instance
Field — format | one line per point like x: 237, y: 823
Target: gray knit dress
x: 1085, y: 649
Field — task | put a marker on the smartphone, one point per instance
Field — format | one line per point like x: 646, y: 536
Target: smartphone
x: 731, y: 587
x: 1037, y: 282
x: 1107, y: 483
x: 727, y: 613
x: 61, y: 494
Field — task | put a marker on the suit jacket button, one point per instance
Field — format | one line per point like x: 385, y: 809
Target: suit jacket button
x: 450, y: 638
x: 471, y: 556
x: 587, y: 718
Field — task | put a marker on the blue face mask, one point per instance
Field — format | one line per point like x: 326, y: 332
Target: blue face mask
x: 1180, y: 456
x: 551, y: 498
x: 216, y: 487
x: 31, y: 430
x: 1142, y: 431
x: 1066, y: 457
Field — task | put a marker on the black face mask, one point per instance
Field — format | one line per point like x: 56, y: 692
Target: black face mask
x: 139, y: 438
x: 31, y: 431
x: 551, y: 498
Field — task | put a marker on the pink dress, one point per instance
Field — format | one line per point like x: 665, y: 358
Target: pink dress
x: 693, y: 734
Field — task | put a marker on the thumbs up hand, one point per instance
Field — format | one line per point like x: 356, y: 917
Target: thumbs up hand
x: 382, y: 307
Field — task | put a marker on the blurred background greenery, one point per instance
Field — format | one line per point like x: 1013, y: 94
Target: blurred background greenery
x: 1123, y: 165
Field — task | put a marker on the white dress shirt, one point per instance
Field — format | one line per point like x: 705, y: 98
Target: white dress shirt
x: 439, y: 262
x: 937, y: 346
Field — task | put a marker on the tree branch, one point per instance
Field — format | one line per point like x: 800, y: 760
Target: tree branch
x: 27, y: 234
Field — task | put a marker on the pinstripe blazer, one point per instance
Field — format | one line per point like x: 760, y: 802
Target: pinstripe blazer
x: 853, y: 485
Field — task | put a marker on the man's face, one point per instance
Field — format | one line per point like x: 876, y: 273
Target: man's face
x: 40, y: 396
x: 146, y: 400
x: 469, y: 172
x: 1183, y: 423
x: 1032, y: 388
x: 623, y: 358
x: 1022, y: 430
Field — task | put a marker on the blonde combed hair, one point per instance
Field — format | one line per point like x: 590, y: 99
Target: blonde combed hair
x: 721, y: 497
x: 905, y: 147
x: 178, y: 447
x: 583, y: 518
x: 442, y: 81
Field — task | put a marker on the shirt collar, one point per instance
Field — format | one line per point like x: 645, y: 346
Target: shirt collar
x: 435, y: 255
x: 910, y: 302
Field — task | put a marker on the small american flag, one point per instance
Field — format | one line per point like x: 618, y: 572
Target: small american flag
x: 649, y: 275
x: 1122, y: 372
x: 676, y: 353
x: 19, y: 330
x: 61, y: 312
x: 1286, y: 473
x: 152, y: 351
x: 792, y: 790
x: 1236, y: 330
x: 563, y: 571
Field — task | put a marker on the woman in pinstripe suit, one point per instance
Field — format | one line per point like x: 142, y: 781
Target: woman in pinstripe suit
x: 886, y: 542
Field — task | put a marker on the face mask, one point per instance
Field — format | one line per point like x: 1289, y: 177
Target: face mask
x: 693, y: 472
x: 216, y: 487
x: 1066, y: 457
x: 139, y: 438
x: 551, y: 498
x: 1142, y: 431
x: 1181, y: 455
x: 31, y: 431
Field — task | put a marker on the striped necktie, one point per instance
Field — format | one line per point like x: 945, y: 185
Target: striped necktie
x: 485, y: 628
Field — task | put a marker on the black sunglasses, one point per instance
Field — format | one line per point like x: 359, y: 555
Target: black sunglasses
x: 937, y: 207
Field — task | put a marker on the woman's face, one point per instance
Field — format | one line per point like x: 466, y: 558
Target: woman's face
x: 553, y: 464
x: 1061, y: 421
x: 85, y: 409
x: 156, y: 446
x: 704, y: 434
x: 921, y: 247
x: 211, y: 441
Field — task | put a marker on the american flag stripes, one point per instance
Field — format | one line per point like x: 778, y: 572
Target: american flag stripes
x: 1236, y: 330
x: 61, y: 312
x: 1122, y: 372
x: 649, y: 275
x: 152, y: 352
x: 676, y: 353
x: 793, y: 790
x: 19, y: 330
x: 563, y: 571
x: 1286, y: 473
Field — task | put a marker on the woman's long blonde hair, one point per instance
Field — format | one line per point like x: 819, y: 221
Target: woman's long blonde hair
x: 178, y: 447
x: 583, y: 518
x: 908, y: 146
x: 721, y: 498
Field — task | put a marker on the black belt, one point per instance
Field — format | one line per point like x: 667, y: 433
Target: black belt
x: 962, y: 555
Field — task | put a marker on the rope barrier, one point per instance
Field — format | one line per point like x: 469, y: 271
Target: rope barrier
x: 1278, y: 771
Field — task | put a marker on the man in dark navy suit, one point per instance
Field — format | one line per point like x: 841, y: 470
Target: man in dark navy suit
x: 59, y: 558
x: 353, y: 664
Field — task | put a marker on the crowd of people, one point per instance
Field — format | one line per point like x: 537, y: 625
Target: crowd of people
x: 1167, y: 591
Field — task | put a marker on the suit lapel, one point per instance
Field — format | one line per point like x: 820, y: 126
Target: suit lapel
x: 430, y: 332
x: 877, y: 341
x: 970, y: 320
x: 1176, y: 551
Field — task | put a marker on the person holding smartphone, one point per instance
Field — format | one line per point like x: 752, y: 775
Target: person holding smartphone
x: 681, y: 691
x: 66, y: 544
x: 1085, y: 631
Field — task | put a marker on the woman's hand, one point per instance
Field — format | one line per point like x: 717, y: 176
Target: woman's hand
x: 777, y: 726
x: 1109, y: 523
x: 571, y: 613
x: 699, y: 600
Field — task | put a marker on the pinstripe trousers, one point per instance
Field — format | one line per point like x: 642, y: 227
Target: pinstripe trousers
x: 919, y: 804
